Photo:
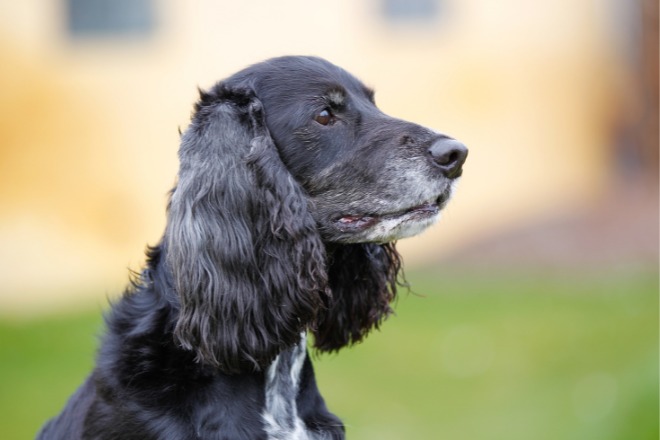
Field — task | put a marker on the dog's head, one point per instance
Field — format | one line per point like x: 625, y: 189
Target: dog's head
x: 370, y: 177
x: 292, y: 188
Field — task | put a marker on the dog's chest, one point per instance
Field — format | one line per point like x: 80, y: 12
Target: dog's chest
x: 280, y: 413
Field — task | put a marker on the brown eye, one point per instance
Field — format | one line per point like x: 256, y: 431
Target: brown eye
x: 324, y: 117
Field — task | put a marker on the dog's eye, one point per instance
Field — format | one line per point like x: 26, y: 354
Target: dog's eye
x: 324, y: 117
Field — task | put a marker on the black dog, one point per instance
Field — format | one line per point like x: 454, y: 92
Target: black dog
x: 292, y: 188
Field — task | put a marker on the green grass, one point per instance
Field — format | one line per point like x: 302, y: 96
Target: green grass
x: 477, y: 358
x: 41, y: 364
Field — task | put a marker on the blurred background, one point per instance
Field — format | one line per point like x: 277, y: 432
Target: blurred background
x: 535, y: 313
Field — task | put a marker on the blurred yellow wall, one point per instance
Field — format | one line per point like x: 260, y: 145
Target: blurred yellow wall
x: 89, y: 126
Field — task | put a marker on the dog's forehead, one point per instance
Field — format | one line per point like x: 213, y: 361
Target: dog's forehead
x: 336, y: 97
x: 337, y: 94
x: 306, y: 75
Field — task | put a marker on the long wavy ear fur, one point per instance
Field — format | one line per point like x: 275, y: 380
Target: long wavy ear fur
x: 363, y: 279
x: 247, y: 261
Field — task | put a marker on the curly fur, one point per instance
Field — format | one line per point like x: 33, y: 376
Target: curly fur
x: 291, y: 190
x: 246, y: 258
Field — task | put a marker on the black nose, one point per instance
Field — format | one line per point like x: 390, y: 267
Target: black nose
x: 449, y: 155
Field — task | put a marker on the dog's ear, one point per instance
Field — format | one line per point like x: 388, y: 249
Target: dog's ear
x: 363, y: 279
x: 247, y: 261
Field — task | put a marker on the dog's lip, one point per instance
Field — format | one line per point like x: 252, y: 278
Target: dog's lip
x: 359, y: 222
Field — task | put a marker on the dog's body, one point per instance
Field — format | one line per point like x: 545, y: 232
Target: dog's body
x: 292, y: 187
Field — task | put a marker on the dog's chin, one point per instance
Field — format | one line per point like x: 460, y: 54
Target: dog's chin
x: 395, y: 228
x: 384, y: 228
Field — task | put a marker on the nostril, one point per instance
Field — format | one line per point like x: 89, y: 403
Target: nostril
x: 449, y: 155
x: 447, y: 159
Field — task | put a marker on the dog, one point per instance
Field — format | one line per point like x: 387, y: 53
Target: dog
x: 292, y: 190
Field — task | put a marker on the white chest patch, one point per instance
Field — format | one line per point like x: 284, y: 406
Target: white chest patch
x: 282, y: 381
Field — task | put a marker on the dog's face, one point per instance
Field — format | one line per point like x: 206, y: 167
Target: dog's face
x: 369, y: 177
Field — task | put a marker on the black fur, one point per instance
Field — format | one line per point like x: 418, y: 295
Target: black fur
x: 292, y: 187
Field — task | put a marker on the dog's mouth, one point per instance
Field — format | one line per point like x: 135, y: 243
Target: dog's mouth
x: 417, y: 213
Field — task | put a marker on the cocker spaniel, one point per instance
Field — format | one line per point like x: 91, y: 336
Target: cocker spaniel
x: 292, y: 188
